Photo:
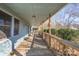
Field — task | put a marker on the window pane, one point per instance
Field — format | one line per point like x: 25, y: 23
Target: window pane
x: 16, y: 27
x: 5, y: 23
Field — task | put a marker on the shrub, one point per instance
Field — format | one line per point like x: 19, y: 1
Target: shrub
x: 76, y: 33
x: 46, y: 30
x: 54, y: 31
x: 66, y: 34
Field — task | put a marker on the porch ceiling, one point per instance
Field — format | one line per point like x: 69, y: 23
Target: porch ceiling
x: 40, y: 11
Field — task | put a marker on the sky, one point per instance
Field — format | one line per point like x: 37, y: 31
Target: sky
x: 70, y: 9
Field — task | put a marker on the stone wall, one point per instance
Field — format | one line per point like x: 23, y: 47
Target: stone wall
x: 60, y: 46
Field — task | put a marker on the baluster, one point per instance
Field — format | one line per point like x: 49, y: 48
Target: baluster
x: 72, y: 52
x: 49, y: 41
x: 65, y: 50
x: 52, y: 42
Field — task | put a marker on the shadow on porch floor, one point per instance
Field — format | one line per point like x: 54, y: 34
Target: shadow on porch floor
x: 33, y: 46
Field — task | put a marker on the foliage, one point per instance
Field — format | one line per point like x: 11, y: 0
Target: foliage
x: 54, y: 31
x: 66, y: 34
x: 46, y: 30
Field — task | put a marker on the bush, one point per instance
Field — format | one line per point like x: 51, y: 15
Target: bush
x: 54, y: 31
x: 66, y: 34
x: 46, y: 30
x: 76, y: 33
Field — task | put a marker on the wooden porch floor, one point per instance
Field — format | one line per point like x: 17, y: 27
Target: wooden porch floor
x: 33, y: 46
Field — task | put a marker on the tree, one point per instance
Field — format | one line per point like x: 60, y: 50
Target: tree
x: 68, y: 17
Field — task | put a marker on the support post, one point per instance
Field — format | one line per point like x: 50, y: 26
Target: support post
x: 12, y: 34
x: 12, y: 27
x: 49, y: 27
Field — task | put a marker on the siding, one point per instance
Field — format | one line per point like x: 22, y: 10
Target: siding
x: 23, y: 32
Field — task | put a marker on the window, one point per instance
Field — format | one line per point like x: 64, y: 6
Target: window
x: 5, y: 23
x: 16, y: 26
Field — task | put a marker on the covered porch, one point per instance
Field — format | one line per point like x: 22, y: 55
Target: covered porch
x: 24, y: 25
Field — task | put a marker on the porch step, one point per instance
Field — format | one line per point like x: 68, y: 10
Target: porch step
x: 24, y: 47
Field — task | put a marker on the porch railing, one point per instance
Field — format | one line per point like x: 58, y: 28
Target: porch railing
x: 60, y: 46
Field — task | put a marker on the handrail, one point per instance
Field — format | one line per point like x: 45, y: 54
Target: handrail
x: 67, y: 45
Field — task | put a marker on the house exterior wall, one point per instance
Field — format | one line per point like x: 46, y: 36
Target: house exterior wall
x: 23, y: 32
x: 23, y: 28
